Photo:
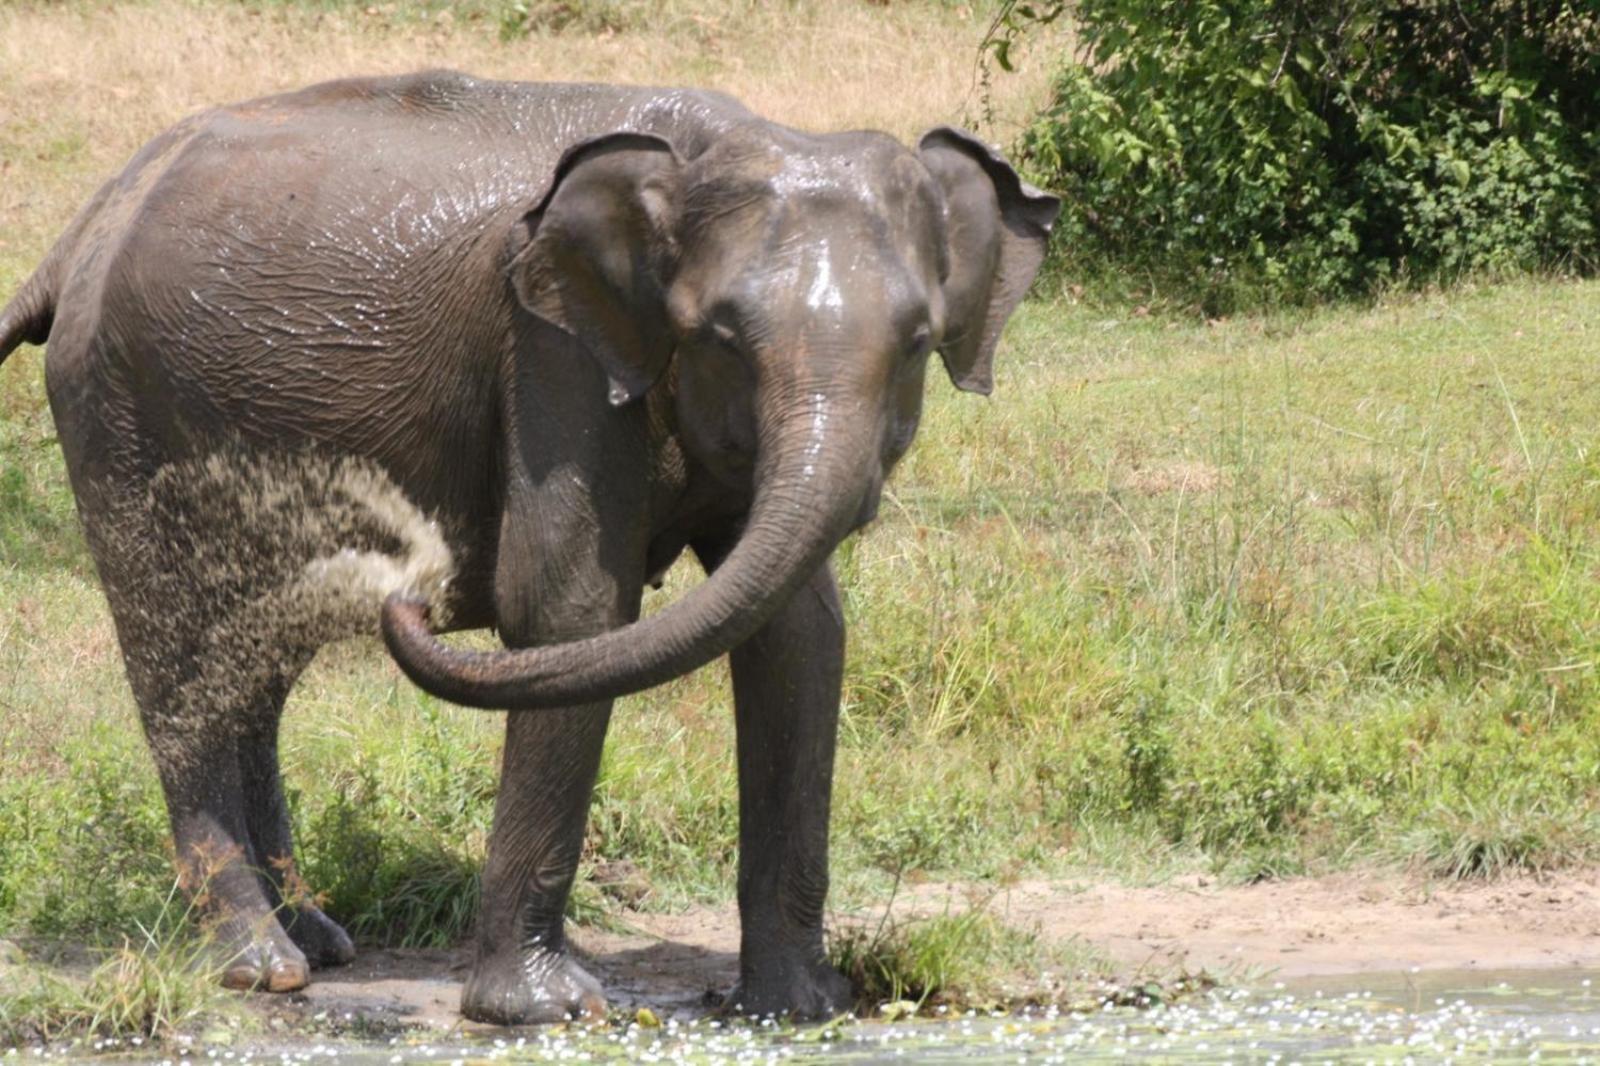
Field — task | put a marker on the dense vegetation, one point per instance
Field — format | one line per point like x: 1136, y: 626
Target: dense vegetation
x: 1238, y: 152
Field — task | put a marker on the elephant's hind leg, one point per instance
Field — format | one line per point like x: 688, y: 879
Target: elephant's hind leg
x: 322, y: 940
x: 196, y: 704
x: 218, y: 866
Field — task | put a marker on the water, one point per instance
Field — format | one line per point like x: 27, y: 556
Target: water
x: 1513, y: 1016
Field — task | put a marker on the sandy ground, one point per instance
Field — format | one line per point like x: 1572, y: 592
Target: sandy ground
x: 1346, y: 924
x: 1334, y: 925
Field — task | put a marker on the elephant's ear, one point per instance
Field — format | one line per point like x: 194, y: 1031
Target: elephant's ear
x: 996, y: 226
x: 594, y: 256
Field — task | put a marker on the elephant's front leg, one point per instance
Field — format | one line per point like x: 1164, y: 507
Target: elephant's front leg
x: 523, y: 973
x: 569, y: 566
x: 786, y: 682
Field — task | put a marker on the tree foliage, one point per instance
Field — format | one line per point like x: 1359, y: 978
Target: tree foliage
x: 1242, y: 151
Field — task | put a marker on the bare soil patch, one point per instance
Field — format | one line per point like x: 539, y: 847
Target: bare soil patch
x: 1343, y: 924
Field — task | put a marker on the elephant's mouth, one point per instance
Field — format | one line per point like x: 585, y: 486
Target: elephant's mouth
x: 870, y: 502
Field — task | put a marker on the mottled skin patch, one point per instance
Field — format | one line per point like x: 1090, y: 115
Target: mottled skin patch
x: 501, y: 352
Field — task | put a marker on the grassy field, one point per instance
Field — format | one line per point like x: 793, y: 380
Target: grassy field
x: 1256, y: 597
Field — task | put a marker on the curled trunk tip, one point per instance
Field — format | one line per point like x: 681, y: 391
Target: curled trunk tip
x: 405, y: 626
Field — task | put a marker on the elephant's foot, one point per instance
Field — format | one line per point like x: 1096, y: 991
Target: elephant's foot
x: 535, y: 988
x: 323, y: 940
x: 265, y: 964
x: 797, y: 989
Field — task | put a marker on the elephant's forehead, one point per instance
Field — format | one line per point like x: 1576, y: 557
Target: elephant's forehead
x: 860, y: 168
x: 803, y: 175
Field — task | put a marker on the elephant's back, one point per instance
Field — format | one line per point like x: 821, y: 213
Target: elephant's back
x: 315, y: 274
x: 542, y: 118
x: 447, y: 127
x: 375, y: 178
x: 324, y: 267
x: 349, y: 215
x: 295, y: 251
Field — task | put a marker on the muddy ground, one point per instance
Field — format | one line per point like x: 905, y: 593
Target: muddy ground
x: 1345, y: 924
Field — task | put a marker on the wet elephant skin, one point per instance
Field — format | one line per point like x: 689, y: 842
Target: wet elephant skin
x: 566, y: 331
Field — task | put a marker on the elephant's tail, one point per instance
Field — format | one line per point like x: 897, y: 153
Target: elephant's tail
x: 31, y: 312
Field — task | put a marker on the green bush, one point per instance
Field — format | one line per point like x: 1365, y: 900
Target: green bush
x: 1238, y: 152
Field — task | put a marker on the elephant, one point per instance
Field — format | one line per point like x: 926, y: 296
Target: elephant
x: 562, y: 333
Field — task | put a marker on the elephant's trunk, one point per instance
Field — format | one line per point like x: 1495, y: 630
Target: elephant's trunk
x: 810, y: 482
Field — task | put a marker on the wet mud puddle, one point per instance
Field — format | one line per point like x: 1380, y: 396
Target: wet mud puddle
x: 1435, y: 1016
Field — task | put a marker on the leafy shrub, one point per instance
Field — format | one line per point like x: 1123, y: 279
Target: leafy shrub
x: 1231, y: 152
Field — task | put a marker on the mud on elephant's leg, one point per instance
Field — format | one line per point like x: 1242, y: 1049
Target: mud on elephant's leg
x: 524, y: 973
x: 322, y: 940
x: 786, y: 682
x: 194, y: 698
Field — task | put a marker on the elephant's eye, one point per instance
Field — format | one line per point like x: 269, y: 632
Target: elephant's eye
x: 725, y: 336
x: 921, y: 342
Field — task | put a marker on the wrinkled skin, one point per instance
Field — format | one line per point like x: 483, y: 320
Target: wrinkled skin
x: 582, y: 327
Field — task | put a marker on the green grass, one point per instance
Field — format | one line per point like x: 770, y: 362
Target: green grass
x: 162, y: 982
x: 959, y: 960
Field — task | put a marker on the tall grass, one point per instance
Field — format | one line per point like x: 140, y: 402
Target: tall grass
x: 154, y: 985
x: 959, y: 959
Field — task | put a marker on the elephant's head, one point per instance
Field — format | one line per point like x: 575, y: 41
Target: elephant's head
x: 801, y: 283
